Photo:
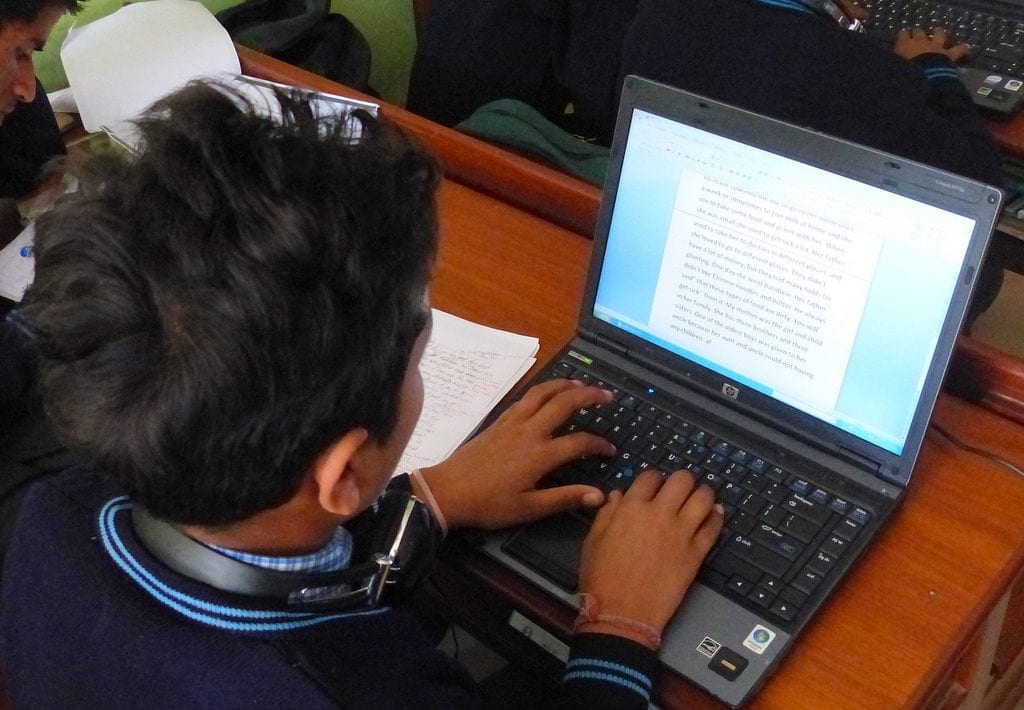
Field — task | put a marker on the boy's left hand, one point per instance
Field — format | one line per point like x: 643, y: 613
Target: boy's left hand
x: 491, y: 481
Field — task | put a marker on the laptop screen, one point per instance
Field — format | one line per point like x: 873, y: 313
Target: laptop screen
x: 822, y: 292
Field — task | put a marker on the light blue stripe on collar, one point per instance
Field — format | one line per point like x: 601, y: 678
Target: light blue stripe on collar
x: 787, y: 5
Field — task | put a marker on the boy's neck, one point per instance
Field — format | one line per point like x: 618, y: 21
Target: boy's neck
x: 297, y: 527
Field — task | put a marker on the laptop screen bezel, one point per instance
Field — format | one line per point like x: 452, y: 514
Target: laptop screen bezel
x: 969, y: 198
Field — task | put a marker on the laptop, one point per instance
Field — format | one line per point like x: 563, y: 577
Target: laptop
x: 774, y: 310
x: 993, y: 72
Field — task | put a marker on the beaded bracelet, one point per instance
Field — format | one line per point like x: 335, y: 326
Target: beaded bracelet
x: 590, y: 612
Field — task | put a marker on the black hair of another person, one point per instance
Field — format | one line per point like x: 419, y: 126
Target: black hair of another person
x: 29, y: 10
x: 216, y: 312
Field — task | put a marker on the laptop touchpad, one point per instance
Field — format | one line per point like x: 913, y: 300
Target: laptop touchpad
x: 551, y: 548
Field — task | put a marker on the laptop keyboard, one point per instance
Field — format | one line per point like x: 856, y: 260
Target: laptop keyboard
x: 783, y: 534
x: 997, y: 41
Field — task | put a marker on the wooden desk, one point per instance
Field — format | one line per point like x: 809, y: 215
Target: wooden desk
x: 916, y: 623
x: 918, y: 604
x: 985, y: 375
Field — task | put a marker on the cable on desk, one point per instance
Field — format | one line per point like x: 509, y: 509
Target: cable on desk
x: 970, y: 448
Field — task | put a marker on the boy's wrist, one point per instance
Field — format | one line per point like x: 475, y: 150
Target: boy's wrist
x: 593, y: 618
x: 422, y: 490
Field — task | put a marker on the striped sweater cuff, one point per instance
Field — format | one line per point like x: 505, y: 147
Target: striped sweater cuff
x: 611, y: 665
x: 937, y: 67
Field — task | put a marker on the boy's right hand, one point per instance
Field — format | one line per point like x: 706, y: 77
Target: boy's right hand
x: 645, y: 547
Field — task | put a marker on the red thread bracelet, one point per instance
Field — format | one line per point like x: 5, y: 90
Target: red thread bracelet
x: 590, y: 612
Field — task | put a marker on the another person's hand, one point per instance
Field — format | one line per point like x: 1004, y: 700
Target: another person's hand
x: 915, y: 42
x: 491, y: 481
x: 645, y: 548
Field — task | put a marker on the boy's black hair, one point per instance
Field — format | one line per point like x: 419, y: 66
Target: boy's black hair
x: 29, y: 10
x: 213, y: 314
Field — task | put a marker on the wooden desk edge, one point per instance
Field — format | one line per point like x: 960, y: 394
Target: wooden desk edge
x: 996, y: 380
x: 989, y: 377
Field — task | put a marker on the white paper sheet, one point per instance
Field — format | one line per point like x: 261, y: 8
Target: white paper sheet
x: 120, y: 64
x: 17, y: 265
x: 467, y: 368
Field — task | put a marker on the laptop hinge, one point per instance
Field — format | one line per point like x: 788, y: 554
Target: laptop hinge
x: 862, y: 461
x: 607, y: 343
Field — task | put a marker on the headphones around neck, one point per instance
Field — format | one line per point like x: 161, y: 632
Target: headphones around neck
x: 395, y: 541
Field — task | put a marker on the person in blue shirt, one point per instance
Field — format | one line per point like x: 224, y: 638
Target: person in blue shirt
x: 229, y: 329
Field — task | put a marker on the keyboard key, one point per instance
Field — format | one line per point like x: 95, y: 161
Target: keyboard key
x: 846, y: 529
x: 739, y: 456
x: 859, y: 515
x: 757, y: 465
x: 734, y: 473
x: 659, y: 434
x: 775, y: 492
x: 793, y: 596
x: 712, y: 479
x: 761, y: 597
x: 742, y: 522
x: 799, y: 485
x: 835, y: 546
x: 694, y: 453
x: 807, y: 581
x: 761, y: 557
x: 787, y: 546
x: 720, y: 446
x: 600, y: 426
x: 821, y: 563
x: 753, y: 482
x: 819, y: 496
x: 668, y: 420
x: 839, y: 505
x: 776, y: 474
x: 751, y: 504
x: 783, y: 610
x: 634, y: 444
x: 730, y: 565
x: 653, y: 454
x: 773, y: 514
x: 715, y: 462
x: 772, y: 584
x: 800, y: 528
x: 740, y: 585
x: 730, y: 493
x: 699, y: 436
x: 564, y: 369
x: 817, y: 514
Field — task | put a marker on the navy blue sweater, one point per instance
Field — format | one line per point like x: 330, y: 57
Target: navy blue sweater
x: 89, y: 619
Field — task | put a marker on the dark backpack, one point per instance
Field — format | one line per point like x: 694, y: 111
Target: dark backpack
x: 304, y: 33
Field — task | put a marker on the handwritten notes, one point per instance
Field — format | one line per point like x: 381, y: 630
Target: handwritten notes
x: 467, y: 368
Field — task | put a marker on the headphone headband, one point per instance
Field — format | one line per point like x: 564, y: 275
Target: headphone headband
x: 833, y: 10
x: 410, y: 538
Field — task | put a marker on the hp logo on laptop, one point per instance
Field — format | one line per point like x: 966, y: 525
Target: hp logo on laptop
x: 730, y: 390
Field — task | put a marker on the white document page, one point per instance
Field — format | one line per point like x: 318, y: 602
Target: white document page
x: 467, y: 368
x: 120, y: 64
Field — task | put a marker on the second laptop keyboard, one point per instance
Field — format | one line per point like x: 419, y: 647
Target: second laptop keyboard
x: 996, y: 36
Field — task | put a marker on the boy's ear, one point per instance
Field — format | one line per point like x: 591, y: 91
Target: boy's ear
x: 339, y: 490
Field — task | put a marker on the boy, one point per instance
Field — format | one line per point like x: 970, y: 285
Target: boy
x: 230, y: 327
x: 28, y: 131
